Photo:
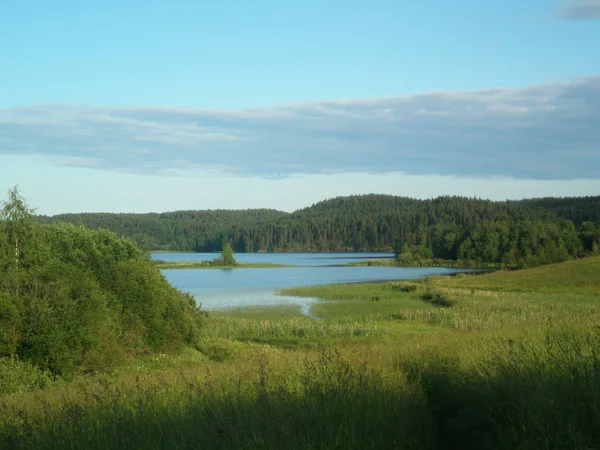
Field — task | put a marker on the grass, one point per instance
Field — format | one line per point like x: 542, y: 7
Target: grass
x: 578, y: 276
x: 497, y: 361
x: 360, y: 299
x: 260, y: 312
x: 242, y: 405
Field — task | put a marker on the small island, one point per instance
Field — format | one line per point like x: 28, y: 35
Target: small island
x: 224, y: 261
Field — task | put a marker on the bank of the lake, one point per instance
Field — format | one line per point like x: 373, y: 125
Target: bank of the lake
x: 436, y: 262
x: 188, y: 260
x: 278, y: 258
x: 239, y: 287
x: 210, y: 265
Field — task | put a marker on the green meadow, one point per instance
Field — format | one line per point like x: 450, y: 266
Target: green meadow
x: 502, y: 360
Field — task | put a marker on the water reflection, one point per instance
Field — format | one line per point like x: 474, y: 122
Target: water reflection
x: 233, y: 288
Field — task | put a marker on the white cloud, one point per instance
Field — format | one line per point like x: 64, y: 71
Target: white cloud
x: 59, y: 189
x: 543, y: 132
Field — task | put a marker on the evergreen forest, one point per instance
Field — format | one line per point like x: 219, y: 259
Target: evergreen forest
x: 515, y: 233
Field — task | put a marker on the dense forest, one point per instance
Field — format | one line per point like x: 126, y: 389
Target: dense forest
x: 524, y: 233
x: 73, y: 299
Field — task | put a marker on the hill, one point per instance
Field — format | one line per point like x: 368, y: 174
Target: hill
x: 178, y: 230
x: 528, y: 231
x: 580, y: 276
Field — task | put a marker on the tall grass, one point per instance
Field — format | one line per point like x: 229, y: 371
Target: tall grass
x: 320, y: 402
x: 297, y: 327
x: 531, y: 393
x: 525, y: 393
x: 444, y: 363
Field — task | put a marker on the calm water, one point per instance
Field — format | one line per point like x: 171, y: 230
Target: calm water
x: 231, y: 288
x: 296, y: 259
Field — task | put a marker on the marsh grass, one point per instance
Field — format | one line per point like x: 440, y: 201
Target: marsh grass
x: 273, y: 312
x: 356, y: 291
x: 360, y: 299
x: 443, y: 363
x: 297, y: 327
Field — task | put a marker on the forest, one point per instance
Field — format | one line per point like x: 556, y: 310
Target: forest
x: 518, y: 233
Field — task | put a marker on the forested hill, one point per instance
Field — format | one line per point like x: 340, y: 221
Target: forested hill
x: 445, y: 227
x: 178, y: 230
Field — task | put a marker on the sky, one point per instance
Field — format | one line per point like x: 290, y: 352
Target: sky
x: 137, y: 106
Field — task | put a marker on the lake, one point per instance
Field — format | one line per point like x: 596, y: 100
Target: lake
x: 232, y: 288
x: 295, y: 259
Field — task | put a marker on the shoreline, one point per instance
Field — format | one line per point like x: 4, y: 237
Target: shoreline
x: 173, y: 265
x: 168, y: 265
x: 305, y: 292
x: 281, y: 251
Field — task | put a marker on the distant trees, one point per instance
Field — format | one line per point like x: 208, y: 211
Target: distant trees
x: 445, y: 228
x: 179, y: 230
x: 590, y: 237
x: 524, y: 243
x: 74, y: 298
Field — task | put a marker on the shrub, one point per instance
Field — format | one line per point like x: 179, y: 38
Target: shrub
x: 73, y: 298
x: 405, y: 287
x: 436, y: 297
x: 20, y: 376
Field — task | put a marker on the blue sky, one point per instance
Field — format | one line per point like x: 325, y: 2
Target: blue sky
x: 151, y: 105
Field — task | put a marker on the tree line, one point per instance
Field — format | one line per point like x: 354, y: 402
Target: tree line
x: 525, y: 232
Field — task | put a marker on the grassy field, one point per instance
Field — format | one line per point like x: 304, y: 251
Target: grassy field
x: 496, y: 361
x: 579, y: 276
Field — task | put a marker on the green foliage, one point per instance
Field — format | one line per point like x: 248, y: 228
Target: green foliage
x: 179, y: 230
x: 436, y: 297
x: 10, y: 321
x: 17, y: 221
x: 513, y: 233
x: 19, y: 376
x: 523, y: 244
x: 74, y: 299
x: 227, y: 255
x: 226, y: 258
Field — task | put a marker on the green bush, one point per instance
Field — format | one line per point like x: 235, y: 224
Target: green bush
x: 405, y: 287
x: 20, y: 376
x: 437, y: 298
x: 76, y: 299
